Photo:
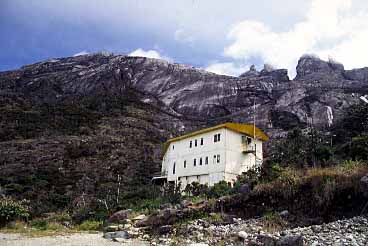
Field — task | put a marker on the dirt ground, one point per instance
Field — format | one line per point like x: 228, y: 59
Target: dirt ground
x: 78, y: 239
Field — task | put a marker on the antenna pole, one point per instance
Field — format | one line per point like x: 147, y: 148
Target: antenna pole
x: 254, y: 130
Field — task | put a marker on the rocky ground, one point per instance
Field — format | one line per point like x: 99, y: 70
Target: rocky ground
x: 353, y: 231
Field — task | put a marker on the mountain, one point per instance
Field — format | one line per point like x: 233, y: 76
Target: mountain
x: 72, y: 127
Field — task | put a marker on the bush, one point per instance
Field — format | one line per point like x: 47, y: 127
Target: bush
x: 44, y: 225
x: 11, y: 210
x: 39, y: 224
x: 89, y: 225
x: 272, y: 221
x: 220, y: 189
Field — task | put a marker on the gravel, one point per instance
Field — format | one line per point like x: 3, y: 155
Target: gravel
x: 352, y: 232
x: 78, y: 239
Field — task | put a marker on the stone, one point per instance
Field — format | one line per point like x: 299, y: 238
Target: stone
x: 364, y: 185
x: 242, y: 234
x: 139, y: 217
x: 186, y: 203
x: 165, y: 229
x: 165, y: 206
x: 291, y: 241
x: 119, y: 216
x: 111, y: 228
x: 119, y: 240
x: 284, y: 214
x: 266, y: 240
x: 121, y: 234
x: 108, y: 235
x: 244, y: 189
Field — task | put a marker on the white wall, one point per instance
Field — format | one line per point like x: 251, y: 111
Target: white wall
x: 237, y: 161
x: 180, y: 151
x: 232, y: 160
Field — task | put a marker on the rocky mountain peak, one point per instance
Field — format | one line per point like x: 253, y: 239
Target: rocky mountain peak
x: 312, y: 67
x: 252, y: 72
x: 268, y: 72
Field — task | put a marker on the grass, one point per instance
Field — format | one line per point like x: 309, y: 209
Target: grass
x: 273, y: 222
x: 43, y: 227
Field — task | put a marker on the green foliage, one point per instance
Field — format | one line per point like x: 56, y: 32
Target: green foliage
x: 220, y: 189
x: 272, y: 221
x: 11, y: 209
x: 39, y: 224
x: 89, y: 225
x: 294, y: 150
x: 59, y: 217
x: 45, y: 225
x: 250, y: 177
x: 215, y: 218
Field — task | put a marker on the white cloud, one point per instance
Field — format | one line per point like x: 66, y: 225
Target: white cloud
x: 150, y: 54
x: 226, y: 68
x: 84, y: 52
x: 181, y: 36
x: 329, y: 29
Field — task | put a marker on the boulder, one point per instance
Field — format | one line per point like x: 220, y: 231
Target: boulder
x: 139, y: 217
x: 186, y: 203
x: 111, y: 228
x: 108, y: 235
x: 164, y: 217
x: 119, y: 216
x: 284, y: 214
x: 242, y: 234
x: 121, y: 234
x: 266, y: 240
x: 291, y: 241
x: 117, y: 234
x: 364, y: 185
x: 166, y: 229
x: 244, y: 189
x: 165, y: 206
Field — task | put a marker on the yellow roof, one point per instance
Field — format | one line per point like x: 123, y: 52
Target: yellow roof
x: 246, y: 129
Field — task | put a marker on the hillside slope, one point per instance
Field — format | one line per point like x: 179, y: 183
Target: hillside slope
x: 71, y: 128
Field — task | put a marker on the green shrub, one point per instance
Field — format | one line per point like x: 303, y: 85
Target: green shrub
x: 59, y: 217
x: 272, y: 221
x: 89, y: 225
x: 220, y: 189
x: 45, y: 225
x: 11, y: 210
x: 39, y: 224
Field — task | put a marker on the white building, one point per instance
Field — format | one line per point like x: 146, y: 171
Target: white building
x: 213, y: 154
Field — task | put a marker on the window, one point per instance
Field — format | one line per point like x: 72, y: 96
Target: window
x: 218, y: 158
x: 190, y: 144
x: 174, y: 168
x: 179, y: 178
x: 185, y: 164
x: 201, y: 141
x: 200, y: 161
x: 195, y: 143
x: 214, y: 159
x: 173, y: 147
x: 206, y: 161
x: 195, y: 162
x: 217, y: 137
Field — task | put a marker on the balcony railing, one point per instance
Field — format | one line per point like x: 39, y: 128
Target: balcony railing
x: 248, y: 148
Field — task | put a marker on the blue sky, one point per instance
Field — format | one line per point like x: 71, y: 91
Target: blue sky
x: 220, y: 36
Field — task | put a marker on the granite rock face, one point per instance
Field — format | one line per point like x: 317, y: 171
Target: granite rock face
x: 319, y: 93
x: 76, y: 125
